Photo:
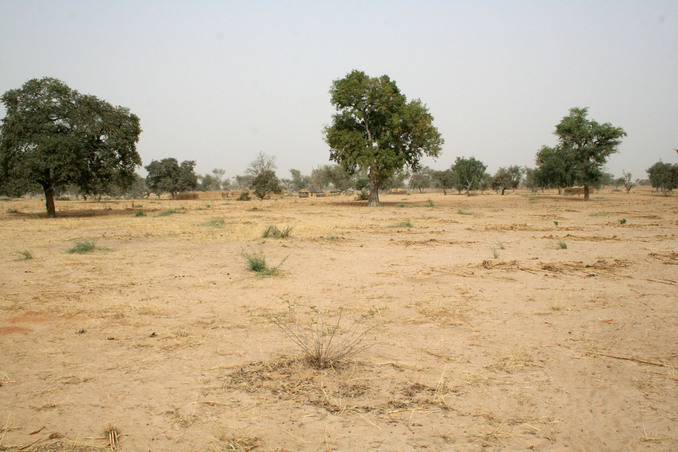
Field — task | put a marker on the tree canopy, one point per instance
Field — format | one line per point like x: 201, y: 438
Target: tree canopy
x: 377, y: 130
x: 264, y: 181
x: 468, y: 173
x: 589, y: 144
x: 507, y: 178
x: 663, y: 176
x: 54, y: 136
x: 167, y: 176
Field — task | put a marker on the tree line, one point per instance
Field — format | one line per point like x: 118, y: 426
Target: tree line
x: 54, y: 139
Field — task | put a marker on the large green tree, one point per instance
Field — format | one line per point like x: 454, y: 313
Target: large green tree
x: 589, y: 144
x: 167, y: 176
x: 376, y: 130
x: 507, y: 178
x: 54, y: 136
x: 663, y: 176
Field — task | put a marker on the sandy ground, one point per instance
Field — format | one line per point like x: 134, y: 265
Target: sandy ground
x: 524, y: 321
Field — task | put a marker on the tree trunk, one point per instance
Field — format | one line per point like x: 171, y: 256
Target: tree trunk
x: 373, y: 200
x: 586, y: 192
x: 560, y: 190
x: 49, y: 202
x: 502, y: 191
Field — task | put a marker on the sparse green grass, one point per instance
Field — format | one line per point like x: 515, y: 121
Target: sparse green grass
x: 12, y: 211
x: 495, y: 253
x: 501, y: 246
x: 215, y: 223
x: 168, y: 212
x: 430, y: 203
x: 402, y: 224
x: 273, y: 231
x: 597, y: 214
x: 464, y: 212
x: 139, y: 213
x: 84, y: 247
x: 401, y: 205
x: 256, y: 262
x: 561, y: 244
x: 622, y: 221
x: 556, y: 223
x: 25, y: 255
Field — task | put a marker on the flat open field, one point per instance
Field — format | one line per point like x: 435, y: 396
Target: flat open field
x: 528, y: 321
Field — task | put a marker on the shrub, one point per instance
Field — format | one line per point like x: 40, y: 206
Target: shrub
x: 362, y: 195
x: 139, y: 213
x: 325, y: 341
x: 25, y: 255
x: 215, y: 223
x: 256, y: 262
x: 622, y: 221
x: 273, y: 231
x: 244, y: 196
x: 83, y: 247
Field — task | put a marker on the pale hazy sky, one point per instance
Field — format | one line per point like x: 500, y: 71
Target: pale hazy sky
x: 219, y: 81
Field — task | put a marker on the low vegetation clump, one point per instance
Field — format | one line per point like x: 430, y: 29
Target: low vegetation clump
x: 562, y: 244
x: 25, y: 255
x: 464, y: 212
x: 12, y: 211
x: 622, y: 221
x: 168, y: 212
x: 215, y: 223
x: 244, y: 196
x: 139, y: 213
x: 403, y: 224
x: 274, y: 231
x: 326, y: 340
x: 84, y: 247
x: 495, y: 253
x: 256, y: 262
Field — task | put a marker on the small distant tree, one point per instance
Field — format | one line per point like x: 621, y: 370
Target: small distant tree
x: 663, y: 176
x: 589, y: 144
x: 468, y: 173
x: 376, y: 130
x: 299, y: 181
x: 338, y: 177
x: 507, y: 178
x: 420, y: 180
x: 627, y: 181
x: 266, y: 183
x: 167, y: 176
x: 443, y: 180
x: 397, y: 180
x: 244, y: 181
x: 531, y: 179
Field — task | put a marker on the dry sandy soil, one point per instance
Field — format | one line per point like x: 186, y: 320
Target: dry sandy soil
x: 524, y: 321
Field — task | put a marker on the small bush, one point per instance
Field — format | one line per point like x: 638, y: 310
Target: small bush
x: 401, y: 205
x: 556, y: 223
x: 273, y: 231
x: 83, y: 247
x: 256, y: 262
x: 402, y: 224
x: 244, y: 196
x: 215, y: 223
x: 622, y: 221
x: 139, y: 213
x: 362, y: 195
x: 25, y: 255
x: 561, y: 244
x: 430, y: 203
x: 325, y: 341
